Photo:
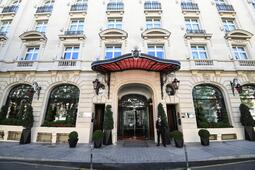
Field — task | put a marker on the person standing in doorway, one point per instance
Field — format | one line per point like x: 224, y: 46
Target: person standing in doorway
x: 160, y: 132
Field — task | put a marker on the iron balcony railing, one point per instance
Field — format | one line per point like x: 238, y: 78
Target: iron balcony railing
x: 195, y: 31
x: 10, y: 9
x: 189, y: 6
x: 3, y: 33
x: 69, y: 32
x: 152, y: 5
x: 79, y: 7
x: 225, y: 7
x: 112, y: 6
x: 44, y: 9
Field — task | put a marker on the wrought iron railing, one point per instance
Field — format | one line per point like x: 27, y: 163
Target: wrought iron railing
x: 79, y: 7
x: 203, y: 62
x: 3, y: 33
x: 195, y: 31
x: 152, y: 5
x: 189, y: 6
x: 44, y: 9
x: 246, y: 62
x: 62, y: 63
x: 69, y: 32
x: 10, y: 9
x: 25, y: 63
x: 225, y: 7
x: 113, y: 6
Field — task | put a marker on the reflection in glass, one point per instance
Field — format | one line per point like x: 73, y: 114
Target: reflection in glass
x: 248, y: 98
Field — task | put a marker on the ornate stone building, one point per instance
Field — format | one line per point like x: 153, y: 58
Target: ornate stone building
x: 71, y: 58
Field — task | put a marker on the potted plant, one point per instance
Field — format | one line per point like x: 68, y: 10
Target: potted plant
x: 204, y: 137
x: 162, y: 115
x: 73, y: 139
x: 178, y: 138
x: 248, y: 122
x: 108, y: 125
x: 97, y: 138
x: 27, y: 123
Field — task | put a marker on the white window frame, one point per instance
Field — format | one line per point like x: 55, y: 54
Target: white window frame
x: 72, y: 52
x: 192, y: 22
x: 49, y: 3
x: 76, y: 23
x: 5, y: 26
x: 153, y: 21
x: 114, y: 23
x: 228, y: 23
x: 113, y: 48
x: 154, y: 48
x: 236, y: 50
x: 198, y: 51
x: 220, y: 2
x: 35, y: 51
x: 41, y: 26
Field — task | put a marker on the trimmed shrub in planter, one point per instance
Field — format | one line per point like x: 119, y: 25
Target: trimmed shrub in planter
x: 165, y: 129
x: 73, y: 139
x: 178, y: 138
x: 3, y: 112
x: 204, y: 137
x: 97, y: 138
x: 248, y: 122
x: 108, y: 125
x: 27, y: 123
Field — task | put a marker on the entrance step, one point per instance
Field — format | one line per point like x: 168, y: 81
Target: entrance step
x: 135, y: 143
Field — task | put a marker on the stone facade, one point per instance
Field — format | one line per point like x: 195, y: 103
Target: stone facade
x: 219, y: 69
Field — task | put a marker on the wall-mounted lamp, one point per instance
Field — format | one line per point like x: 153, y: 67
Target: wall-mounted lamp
x: 235, y: 84
x: 97, y: 85
x: 37, y: 89
x: 175, y: 83
x: 170, y: 91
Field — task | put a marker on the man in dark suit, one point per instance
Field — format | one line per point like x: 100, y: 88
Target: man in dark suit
x: 160, y: 132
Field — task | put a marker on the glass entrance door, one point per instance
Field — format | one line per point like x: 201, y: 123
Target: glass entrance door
x: 134, y: 119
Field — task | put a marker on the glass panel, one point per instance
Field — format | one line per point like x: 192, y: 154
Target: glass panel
x: 247, y: 96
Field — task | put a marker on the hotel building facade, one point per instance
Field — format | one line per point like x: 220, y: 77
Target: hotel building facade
x: 71, y: 58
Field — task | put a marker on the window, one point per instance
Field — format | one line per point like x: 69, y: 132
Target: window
x: 112, y: 51
x: 41, y: 26
x: 229, y: 25
x: 5, y: 26
x: 199, y: 52
x: 49, y: 3
x: 71, y: 53
x: 81, y: 1
x: 62, y: 106
x: 209, y: 107
x: 247, y: 96
x: 153, y: 23
x: 239, y: 53
x: 77, y: 25
x: 192, y: 24
x: 219, y: 2
x: 156, y: 51
x: 19, y: 97
x: 16, y: 3
x: 32, y: 53
x: 115, y: 23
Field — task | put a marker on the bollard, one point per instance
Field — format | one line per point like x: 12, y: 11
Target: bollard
x: 186, y: 158
x: 91, y: 157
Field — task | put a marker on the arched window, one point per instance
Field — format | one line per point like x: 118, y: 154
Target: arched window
x: 209, y: 107
x: 19, y: 97
x: 62, y: 106
x: 248, y: 97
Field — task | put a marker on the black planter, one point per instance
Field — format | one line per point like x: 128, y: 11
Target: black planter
x: 25, y: 136
x: 205, y: 141
x: 107, y: 137
x: 249, y: 133
x: 97, y: 143
x: 72, y: 142
x: 167, y: 137
x: 178, y: 143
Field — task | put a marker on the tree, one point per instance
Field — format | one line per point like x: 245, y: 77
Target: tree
x: 162, y: 115
x: 28, y: 119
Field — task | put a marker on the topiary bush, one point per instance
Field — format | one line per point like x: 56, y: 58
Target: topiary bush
x: 108, y: 118
x: 162, y: 115
x: 177, y: 135
x: 97, y: 135
x: 3, y: 112
x: 73, y: 135
x: 203, y: 133
x: 28, y: 117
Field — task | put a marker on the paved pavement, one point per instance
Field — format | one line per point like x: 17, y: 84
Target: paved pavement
x: 118, y: 154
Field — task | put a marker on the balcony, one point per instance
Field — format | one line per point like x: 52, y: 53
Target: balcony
x: 44, y: 10
x: 69, y: 34
x: 189, y: 7
x: 10, y: 9
x: 249, y: 63
x: 225, y: 9
x: 197, y: 33
x: 3, y: 36
x: 113, y: 7
x: 78, y: 8
x: 25, y: 63
x: 203, y: 62
x: 67, y: 63
x: 152, y: 7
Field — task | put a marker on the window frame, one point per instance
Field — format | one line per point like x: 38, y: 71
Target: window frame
x: 227, y: 23
x: 190, y: 21
x: 42, y: 27
x: 33, y: 55
x: 198, y: 51
x: 154, y: 21
x: 114, y: 49
x: 77, y: 25
x: 116, y: 24
x: 237, y: 51
x: 75, y: 49
x: 156, y: 49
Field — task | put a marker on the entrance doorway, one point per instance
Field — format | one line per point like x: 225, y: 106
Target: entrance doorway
x: 99, y: 117
x: 134, y: 119
x: 172, y: 118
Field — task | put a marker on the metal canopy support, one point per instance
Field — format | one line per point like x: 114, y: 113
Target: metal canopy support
x: 108, y: 82
x: 162, y: 85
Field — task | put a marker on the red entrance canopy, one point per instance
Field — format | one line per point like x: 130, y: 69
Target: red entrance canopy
x: 136, y: 61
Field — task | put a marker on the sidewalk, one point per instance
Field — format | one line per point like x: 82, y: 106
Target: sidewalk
x: 119, y: 154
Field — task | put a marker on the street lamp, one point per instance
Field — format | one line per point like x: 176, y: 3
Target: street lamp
x: 235, y: 84
x: 175, y: 83
x: 97, y: 85
x: 37, y: 89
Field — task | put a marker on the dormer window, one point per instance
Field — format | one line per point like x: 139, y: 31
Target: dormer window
x: 153, y: 22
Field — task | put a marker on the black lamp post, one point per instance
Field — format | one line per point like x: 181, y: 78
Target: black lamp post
x: 37, y: 89
x: 97, y: 85
x: 175, y: 83
x: 235, y: 84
